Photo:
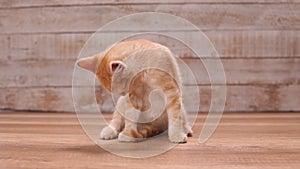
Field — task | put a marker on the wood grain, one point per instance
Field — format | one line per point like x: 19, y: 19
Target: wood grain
x: 206, y: 17
x: 229, y: 44
x: 242, y: 140
x: 239, y: 98
x: 44, y: 3
x: 238, y: 72
x: 245, y: 71
x: 37, y: 99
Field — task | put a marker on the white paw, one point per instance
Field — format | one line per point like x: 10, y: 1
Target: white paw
x: 108, y: 133
x: 123, y: 138
x: 177, y: 137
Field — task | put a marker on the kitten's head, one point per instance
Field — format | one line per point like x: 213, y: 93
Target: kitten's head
x: 109, y: 68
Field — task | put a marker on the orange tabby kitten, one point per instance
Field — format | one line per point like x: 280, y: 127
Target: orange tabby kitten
x: 147, y: 76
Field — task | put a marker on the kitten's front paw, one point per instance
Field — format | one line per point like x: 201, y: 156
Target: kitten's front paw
x: 108, y: 133
x: 177, y: 137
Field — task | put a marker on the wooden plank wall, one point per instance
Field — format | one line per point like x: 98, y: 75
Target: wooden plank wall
x: 258, y: 41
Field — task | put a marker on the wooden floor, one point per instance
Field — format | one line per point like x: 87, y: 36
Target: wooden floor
x: 242, y: 140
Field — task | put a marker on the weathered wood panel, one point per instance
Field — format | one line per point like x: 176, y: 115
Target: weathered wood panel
x: 37, y: 99
x: 258, y: 40
x: 46, y: 46
x: 90, y: 18
x: 36, y: 73
x: 241, y: 44
x: 238, y: 72
x: 289, y: 97
x: 252, y: 98
x: 256, y: 43
x: 43, y: 46
x: 4, y: 47
x: 45, y: 3
x: 249, y: 71
x: 239, y: 98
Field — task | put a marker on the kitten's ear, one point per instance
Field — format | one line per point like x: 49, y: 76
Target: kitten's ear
x: 117, y: 66
x: 88, y: 63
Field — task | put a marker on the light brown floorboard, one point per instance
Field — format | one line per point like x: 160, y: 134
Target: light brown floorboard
x: 242, y: 140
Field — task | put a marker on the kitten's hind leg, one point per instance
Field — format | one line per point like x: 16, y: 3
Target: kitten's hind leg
x: 187, y: 128
x: 114, y: 128
x: 178, y: 127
